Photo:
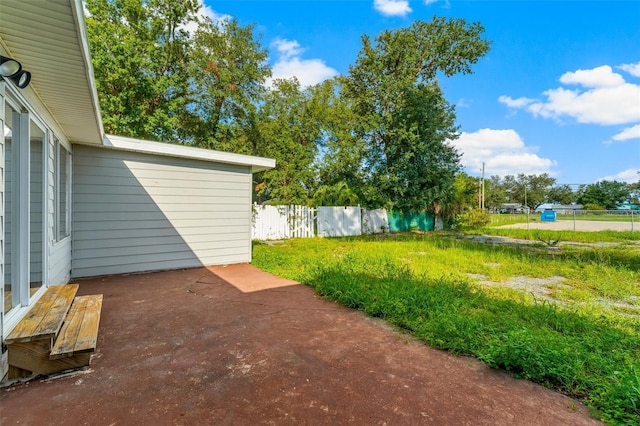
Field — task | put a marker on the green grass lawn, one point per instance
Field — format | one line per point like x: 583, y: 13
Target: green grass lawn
x: 609, y: 217
x: 564, y: 236
x: 579, y: 334
x: 508, y: 219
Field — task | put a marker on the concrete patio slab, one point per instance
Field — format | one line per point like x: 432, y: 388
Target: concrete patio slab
x: 230, y: 346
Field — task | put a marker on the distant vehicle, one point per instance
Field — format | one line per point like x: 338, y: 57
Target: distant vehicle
x: 628, y: 206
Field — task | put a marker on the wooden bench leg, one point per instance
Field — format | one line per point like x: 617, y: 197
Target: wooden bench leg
x: 17, y: 373
x: 34, y: 357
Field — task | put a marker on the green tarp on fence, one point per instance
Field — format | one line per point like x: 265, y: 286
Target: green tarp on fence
x: 408, y: 221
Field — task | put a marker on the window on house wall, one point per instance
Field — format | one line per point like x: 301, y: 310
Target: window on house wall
x: 62, y: 191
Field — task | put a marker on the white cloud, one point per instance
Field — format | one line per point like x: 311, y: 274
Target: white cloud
x: 597, y: 77
x: 628, y: 176
x: 604, y: 98
x: 308, y: 71
x: 205, y: 12
x: 515, y: 103
x: 633, y: 69
x: 428, y: 2
x: 392, y: 7
x: 628, y: 133
x: 503, y: 152
x: 289, y: 64
x: 287, y: 48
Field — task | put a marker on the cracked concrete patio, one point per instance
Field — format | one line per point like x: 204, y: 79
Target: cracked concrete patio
x: 234, y: 345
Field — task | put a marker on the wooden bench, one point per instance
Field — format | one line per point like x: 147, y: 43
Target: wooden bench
x: 58, y: 333
x: 46, y: 316
x: 79, y: 333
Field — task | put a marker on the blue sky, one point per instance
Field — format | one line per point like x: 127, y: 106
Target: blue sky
x: 559, y: 92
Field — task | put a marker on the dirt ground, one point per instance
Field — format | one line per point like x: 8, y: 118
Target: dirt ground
x: 235, y: 346
x: 578, y: 225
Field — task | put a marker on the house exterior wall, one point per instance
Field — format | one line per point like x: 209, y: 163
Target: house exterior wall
x: 137, y: 212
x: 51, y: 260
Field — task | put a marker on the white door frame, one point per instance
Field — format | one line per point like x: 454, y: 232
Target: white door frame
x: 21, y: 219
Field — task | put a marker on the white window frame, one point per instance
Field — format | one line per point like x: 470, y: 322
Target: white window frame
x: 59, y: 150
x: 21, y: 254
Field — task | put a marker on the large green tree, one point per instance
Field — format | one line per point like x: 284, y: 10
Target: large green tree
x: 604, y: 195
x: 467, y: 192
x: 561, y: 194
x: 379, y: 135
x: 140, y: 53
x: 227, y: 72
x: 635, y: 192
x: 528, y: 190
x: 403, y: 119
x: 494, y: 193
x: 341, y: 151
x: 287, y: 129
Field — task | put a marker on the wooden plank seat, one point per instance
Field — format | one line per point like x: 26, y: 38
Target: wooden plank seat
x: 79, y: 333
x: 58, y: 333
x: 46, y: 316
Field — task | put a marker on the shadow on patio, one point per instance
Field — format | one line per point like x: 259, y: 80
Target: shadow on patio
x: 186, y: 347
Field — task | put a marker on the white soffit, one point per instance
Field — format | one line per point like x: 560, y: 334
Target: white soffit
x: 257, y: 164
x: 49, y: 39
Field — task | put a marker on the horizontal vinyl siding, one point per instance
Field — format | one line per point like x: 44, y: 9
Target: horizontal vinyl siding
x: 60, y: 262
x: 137, y: 212
x: 59, y: 251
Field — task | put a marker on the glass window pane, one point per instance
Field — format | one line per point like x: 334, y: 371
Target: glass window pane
x: 36, y: 210
x: 62, y: 191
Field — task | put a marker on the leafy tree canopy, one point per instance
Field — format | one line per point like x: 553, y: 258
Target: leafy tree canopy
x: 528, y: 190
x: 606, y: 194
x: 379, y: 135
x: 403, y: 118
x: 140, y: 53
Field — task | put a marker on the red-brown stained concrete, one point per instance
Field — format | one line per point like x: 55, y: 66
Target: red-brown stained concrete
x: 186, y: 347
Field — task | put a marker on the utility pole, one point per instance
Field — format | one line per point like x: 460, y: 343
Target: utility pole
x: 482, y: 206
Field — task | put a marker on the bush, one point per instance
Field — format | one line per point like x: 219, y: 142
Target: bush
x: 472, y: 219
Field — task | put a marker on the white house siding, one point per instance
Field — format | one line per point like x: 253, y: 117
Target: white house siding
x: 59, y: 251
x: 138, y: 212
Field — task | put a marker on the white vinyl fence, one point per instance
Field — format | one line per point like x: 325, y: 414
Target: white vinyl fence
x: 282, y: 222
x: 339, y: 221
x: 374, y: 221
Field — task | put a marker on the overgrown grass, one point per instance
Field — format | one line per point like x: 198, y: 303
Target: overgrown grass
x: 420, y: 283
x: 575, y: 236
x: 602, y: 216
x: 507, y: 219
x: 511, y: 218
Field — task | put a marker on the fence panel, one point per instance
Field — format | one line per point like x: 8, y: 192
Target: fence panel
x: 282, y: 222
x: 374, y: 221
x: 339, y: 221
x: 407, y: 221
x: 302, y: 220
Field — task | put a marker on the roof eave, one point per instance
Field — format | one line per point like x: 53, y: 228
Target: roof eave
x: 257, y: 164
x: 78, y: 16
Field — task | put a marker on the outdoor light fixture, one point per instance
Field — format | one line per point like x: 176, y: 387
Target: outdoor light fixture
x: 22, y: 79
x: 12, y: 69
